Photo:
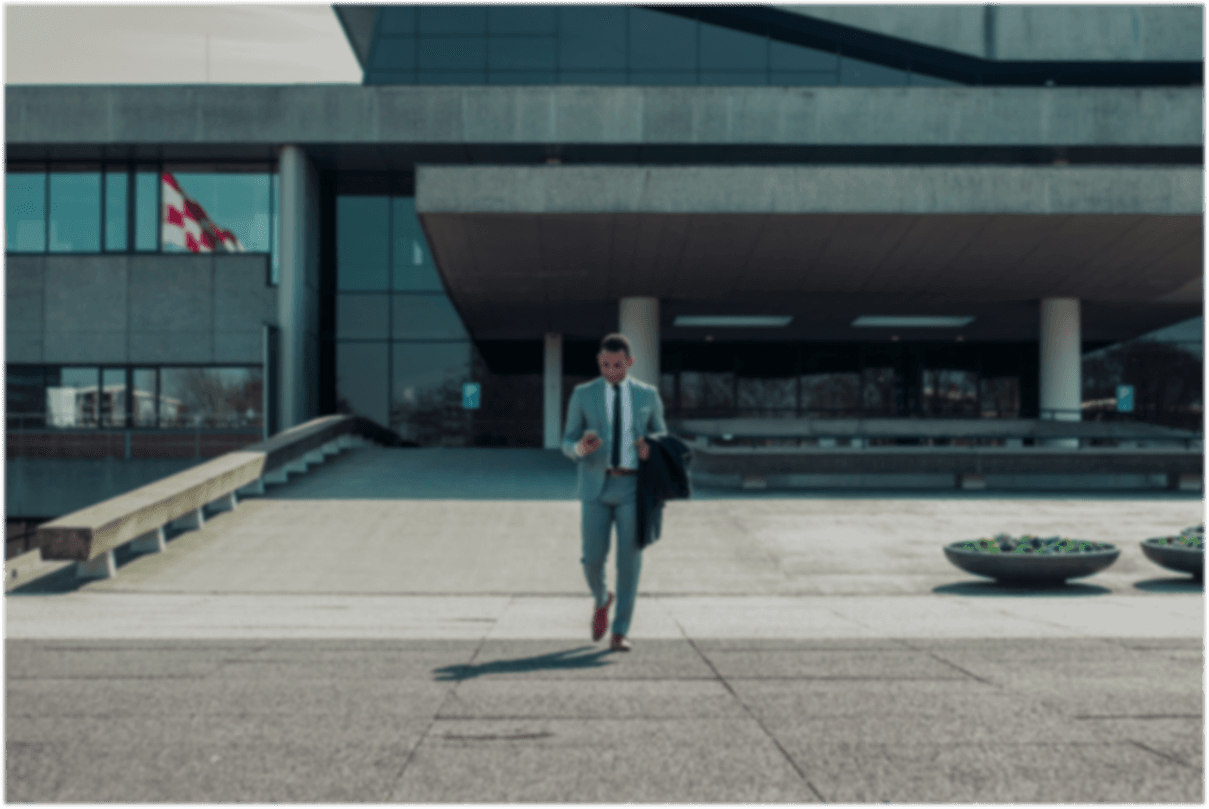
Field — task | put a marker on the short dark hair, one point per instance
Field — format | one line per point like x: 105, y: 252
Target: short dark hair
x: 616, y: 342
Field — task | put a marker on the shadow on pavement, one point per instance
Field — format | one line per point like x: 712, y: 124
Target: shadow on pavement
x: 581, y: 657
x: 64, y: 580
x: 992, y: 588
x: 1175, y: 584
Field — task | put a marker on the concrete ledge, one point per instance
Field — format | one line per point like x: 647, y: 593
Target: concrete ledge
x: 822, y: 189
x: 271, y: 115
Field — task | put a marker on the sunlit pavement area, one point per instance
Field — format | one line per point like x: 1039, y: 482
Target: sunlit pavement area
x: 411, y: 626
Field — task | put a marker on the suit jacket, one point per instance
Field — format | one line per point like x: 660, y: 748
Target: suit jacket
x: 664, y: 476
x: 586, y: 410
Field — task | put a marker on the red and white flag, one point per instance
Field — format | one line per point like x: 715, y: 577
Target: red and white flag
x: 187, y: 225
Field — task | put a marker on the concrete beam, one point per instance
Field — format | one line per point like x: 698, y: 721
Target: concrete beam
x: 218, y: 117
x: 918, y: 190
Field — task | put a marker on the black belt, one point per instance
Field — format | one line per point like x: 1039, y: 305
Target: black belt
x: 621, y: 471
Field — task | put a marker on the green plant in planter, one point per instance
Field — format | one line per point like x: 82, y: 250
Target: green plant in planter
x: 1191, y: 537
x: 1029, y: 544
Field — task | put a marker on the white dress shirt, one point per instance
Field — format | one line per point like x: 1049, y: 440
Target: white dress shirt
x: 629, y: 453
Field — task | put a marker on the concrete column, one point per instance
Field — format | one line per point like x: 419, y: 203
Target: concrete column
x: 638, y: 320
x: 1061, y: 382
x: 552, y: 399
x: 291, y: 288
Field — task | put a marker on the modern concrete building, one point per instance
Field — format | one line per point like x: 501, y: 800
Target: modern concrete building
x: 796, y: 212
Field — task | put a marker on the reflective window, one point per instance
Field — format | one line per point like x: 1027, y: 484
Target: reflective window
x: 950, y: 392
x: 726, y: 49
x: 413, y: 267
x: 597, y: 45
x: 25, y: 209
x: 662, y: 41
x: 146, y: 209
x: 113, y: 397
x: 453, y: 20
x: 275, y: 248
x: 72, y: 402
x: 117, y: 219
x: 771, y: 397
x: 75, y: 211
x: 592, y: 38
x: 831, y: 394
x: 667, y: 391
x: 785, y: 57
x: 785, y: 78
x: 523, y: 53
x: 361, y: 380
x: 880, y: 385
x: 425, y: 317
x: 658, y: 77
x: 210, y: 397
x: 395, y: 53
x: 362, y: 247
x: 522, y: 20
x: 854, y: 72
x: 143, y: 394
x: 238, y: 203
x: 398, y: 19
x: 426, y: 392
x: 706, y: 391
x: 451, y: 77
x: 25, y: 396
x: 362, y: 316
x: 452, y: 53
x: 522, y: 77
x: 999, y: 397
x: 745, y: 78
x: 591, y: 77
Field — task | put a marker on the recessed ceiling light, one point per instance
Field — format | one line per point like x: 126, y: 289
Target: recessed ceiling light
x: 733, y: 321
x: 911, y: 321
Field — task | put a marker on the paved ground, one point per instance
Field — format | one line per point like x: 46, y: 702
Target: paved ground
x: 410, y: 626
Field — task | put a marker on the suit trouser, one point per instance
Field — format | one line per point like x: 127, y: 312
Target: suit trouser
x: 617, y: 504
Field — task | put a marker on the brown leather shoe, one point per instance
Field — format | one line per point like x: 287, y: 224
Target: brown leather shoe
x: 621, y: 644
x: 600, y: 620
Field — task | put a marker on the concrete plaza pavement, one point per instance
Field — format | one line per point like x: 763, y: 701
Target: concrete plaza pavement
x: 411, y: 626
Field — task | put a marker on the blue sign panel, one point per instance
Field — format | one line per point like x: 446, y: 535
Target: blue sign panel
x: 470, y: 395
x: 1124, y: 398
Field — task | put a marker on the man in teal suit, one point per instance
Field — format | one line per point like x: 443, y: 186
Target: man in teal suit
x: 607, y: 441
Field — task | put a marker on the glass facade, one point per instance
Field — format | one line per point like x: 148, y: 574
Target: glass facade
x: 120, y: 396
x: 598, y: 45
x: 402, y: 353
x: 93, y: 208
x: 1165, y: 369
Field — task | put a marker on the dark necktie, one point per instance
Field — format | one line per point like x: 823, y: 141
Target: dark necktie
x: 616, y: 426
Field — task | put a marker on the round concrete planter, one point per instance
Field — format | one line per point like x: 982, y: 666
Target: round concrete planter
x: 1033, y: 567
x: 1164, y: 551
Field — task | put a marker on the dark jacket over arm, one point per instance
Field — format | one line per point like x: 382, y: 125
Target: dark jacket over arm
x: 662, y: 477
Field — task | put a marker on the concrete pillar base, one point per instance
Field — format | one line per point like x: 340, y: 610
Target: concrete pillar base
x: 255, y: 487
x: 102, y: 567
x: 227, y: 502
x: 192, y: 521
x: 150, y: 542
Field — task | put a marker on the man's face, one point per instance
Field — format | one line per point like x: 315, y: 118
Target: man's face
x: 614, y: 365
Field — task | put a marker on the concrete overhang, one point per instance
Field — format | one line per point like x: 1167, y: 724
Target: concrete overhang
x: 1139, y: 32
x: 525, y: 250
x: 379, y: 124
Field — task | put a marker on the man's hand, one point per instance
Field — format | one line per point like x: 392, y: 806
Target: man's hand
x: 589, y: 443
x: 644, y: 449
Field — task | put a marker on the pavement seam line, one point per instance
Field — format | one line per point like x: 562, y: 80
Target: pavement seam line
x: 930, y: 653
x: 747, y: 709
x: 1160, y: 754
x: 435, y: 718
